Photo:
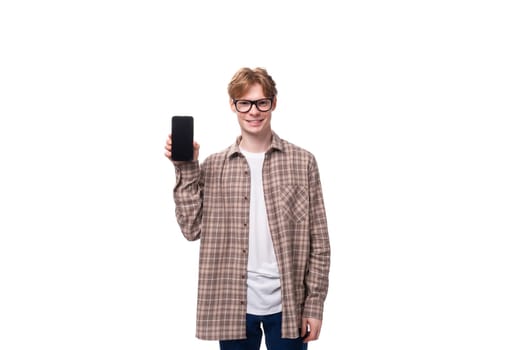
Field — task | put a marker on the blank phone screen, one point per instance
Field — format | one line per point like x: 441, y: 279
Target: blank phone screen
x: 182, y: 138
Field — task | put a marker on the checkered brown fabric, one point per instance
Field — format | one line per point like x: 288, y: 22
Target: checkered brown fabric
x: 212, y: 204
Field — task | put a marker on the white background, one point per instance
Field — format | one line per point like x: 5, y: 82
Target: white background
x: 414, y: 110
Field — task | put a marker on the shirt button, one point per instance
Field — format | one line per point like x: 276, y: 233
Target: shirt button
x: 245, y: 198
x: 244, y: 251
x: 242, y: 302
x: 243, y: 276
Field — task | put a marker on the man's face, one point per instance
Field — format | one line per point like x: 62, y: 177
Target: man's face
x: 251, y: 119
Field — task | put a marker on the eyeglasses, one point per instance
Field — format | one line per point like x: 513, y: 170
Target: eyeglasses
x: 263, y: 105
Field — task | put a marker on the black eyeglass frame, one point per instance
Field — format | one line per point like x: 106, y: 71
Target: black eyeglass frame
x: 254, y: 102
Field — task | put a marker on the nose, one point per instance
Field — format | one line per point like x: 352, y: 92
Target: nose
x: 253, y: 110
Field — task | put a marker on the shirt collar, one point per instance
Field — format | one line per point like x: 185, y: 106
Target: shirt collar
x: 276, y: 145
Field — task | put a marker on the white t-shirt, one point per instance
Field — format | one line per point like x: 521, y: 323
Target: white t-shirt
x: 264, y: 285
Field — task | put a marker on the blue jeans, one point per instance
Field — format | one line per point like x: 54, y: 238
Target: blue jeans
x: 272, y: 335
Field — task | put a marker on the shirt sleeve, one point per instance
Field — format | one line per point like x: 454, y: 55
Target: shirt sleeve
x: 319, y: 264
x: 188, y: 199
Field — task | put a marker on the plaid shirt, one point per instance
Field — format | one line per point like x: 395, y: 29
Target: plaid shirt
x: 212, y: 202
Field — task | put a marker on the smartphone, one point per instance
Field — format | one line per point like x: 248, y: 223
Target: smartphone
x: 182, y: 138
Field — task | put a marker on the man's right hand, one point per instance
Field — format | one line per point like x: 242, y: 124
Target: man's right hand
x: 167, y: 153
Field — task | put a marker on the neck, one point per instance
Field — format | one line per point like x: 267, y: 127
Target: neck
x: 256, y: 143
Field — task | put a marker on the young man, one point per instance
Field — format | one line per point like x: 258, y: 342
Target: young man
x: 257, y: 208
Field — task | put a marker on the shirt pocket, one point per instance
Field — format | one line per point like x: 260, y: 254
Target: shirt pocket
x: 294, y: 202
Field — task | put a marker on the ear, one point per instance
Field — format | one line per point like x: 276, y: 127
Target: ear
x: 274, y: 103
x: 232, y: 106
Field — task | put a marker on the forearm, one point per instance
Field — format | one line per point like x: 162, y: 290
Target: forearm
x: 317, y: 279
x: 188, y: 199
